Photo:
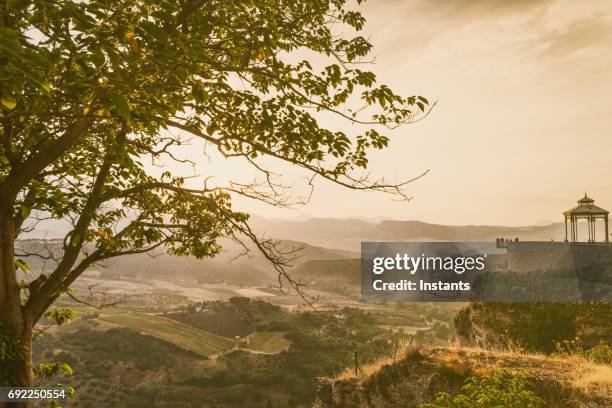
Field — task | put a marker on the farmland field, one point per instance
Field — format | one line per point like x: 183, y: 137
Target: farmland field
x: 267, y: 342
x: 182, y: 335
x: 220, y: 322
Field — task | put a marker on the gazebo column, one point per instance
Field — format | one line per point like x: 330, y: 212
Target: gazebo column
x: 566, y: 229
x: 588, y: 220
x: 607, y: 235
x: 575, y: 229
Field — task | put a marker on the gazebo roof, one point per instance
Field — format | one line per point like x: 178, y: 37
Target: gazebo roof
x: 586, y: 200
x: 586, y: 207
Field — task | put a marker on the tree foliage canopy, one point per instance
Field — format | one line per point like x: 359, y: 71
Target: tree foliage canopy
x: 90, y: 89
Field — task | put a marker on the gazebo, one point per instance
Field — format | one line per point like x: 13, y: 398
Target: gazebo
x: 588, y: 211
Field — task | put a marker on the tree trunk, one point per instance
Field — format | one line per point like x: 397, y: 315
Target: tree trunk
x: 16, y: 367
x: 15, y: 327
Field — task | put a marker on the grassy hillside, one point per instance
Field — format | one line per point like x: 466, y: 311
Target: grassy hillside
x: 112, y: 366
x: 222, y: 323
x: 139, y: 360
x: 419, y: 375
x: 179, y: 334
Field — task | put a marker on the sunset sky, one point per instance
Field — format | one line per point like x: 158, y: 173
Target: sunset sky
x: 523, y: 123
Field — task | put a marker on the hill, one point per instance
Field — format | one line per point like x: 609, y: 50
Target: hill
x: 177, y: 333
x: 125, y: 358
x: 316, y: 238
x: 111, y: 367
x: 341, y: 276
x: 419, y: 375
x: 228, y: 267
x: 348, y: 234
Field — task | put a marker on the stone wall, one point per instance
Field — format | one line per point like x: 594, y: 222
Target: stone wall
x: 526, y: 256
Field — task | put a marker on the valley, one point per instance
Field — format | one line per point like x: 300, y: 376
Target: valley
x: 181, y: 332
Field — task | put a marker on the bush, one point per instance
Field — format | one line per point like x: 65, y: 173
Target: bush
x: 600, y: 354
x: 463, y: 322
x: 501, y: 389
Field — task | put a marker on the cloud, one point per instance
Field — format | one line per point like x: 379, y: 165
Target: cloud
x: 577, y: 35
x: 453, y: 11
x: 541, y: 29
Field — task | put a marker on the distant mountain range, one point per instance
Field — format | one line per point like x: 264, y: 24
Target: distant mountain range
x: 347, y: 234
x: 328, y: 247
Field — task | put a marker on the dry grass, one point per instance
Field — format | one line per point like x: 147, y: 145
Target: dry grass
x: 594, y: 375
x: 405, y: 348
x: 569, y: 372
x: 497, y: 352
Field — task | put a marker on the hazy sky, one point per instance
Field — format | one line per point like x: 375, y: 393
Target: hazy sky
x: 523, y: 123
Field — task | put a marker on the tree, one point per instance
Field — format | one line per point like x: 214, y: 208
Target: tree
x: 95, y: 93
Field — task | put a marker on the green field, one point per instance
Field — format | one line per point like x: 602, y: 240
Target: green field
x: 182, y: 335
x: 225, y: 323
x: 267, y: 342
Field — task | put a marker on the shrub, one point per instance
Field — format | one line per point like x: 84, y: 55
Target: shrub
x: 572, y: 347
x: 600, y: 354
x: 463, y: 322
x: 501, y: 389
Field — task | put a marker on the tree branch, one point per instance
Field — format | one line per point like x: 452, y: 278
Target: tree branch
x: 21, y: 173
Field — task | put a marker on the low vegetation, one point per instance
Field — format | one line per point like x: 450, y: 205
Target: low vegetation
x: 500, y: 389
x: 247, y: 352
x: 457, y: 377
x: 170, y: 358
x: 535, y: 327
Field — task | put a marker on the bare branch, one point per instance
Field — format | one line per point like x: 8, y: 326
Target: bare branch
x: 96, y: 298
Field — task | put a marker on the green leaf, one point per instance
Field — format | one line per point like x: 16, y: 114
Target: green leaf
x: 66, y: 369
x: 122, y: 106
x: 9, y: 41
x: 17, y: 4
x: 37, y: 59
x: 60, y: 316
x: 44, y: 85
x: 9, y: 102
x: 154, y: 31
x: 22, y: 266
x: 97, y: 57
x: 38, y: 80
x: 25, y: 212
